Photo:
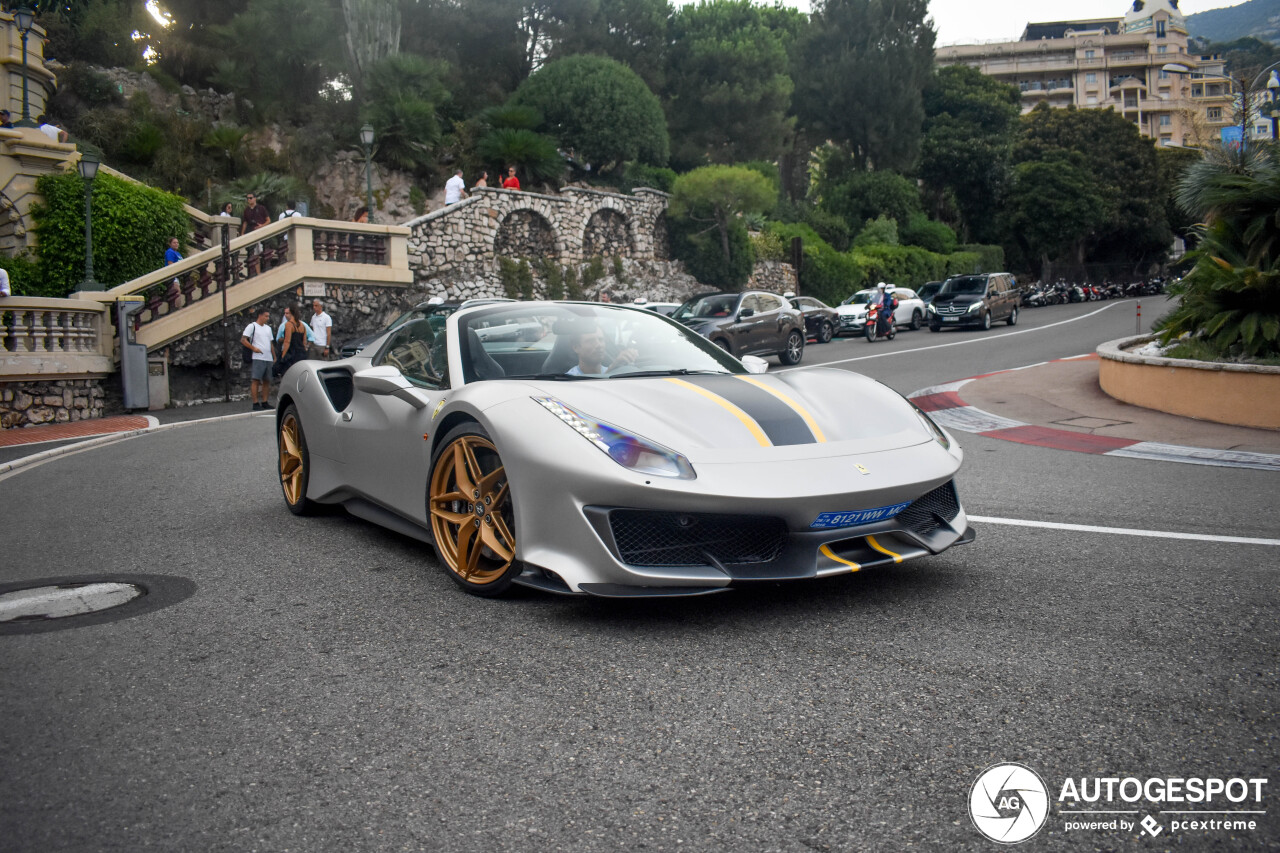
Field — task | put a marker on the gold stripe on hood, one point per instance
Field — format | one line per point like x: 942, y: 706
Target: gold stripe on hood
x: 747, y: 421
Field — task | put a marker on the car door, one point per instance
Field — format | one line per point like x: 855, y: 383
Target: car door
x: 772, y: 320
x: 907, y: 304
x: 383, y: 435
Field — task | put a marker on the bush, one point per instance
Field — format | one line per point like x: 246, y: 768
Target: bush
x: 131, y: 226
x: 553, y: 277
x: 881, y: 231
x: 830, y: 275
x: 769, y: 246
x: 572, y: 289
x: 990, y: 258
x: 927, y: 234
x: 653, y: 177
x: 830, y: 227
x: 704, y: 259
x: 24, y: 276
x: 509, y: 275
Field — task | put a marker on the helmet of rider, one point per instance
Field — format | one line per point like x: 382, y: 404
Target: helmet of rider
x: 881, y: 286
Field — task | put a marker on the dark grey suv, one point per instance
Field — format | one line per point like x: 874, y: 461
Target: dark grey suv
x: 751, y: 323
x: 975, y: 300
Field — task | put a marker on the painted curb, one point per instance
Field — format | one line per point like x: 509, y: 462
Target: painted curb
x: 945, y: 405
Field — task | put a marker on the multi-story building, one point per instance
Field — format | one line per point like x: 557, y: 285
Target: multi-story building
x: 1119, y: 63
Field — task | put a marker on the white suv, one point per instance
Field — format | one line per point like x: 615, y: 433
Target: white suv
x: 853, y: 311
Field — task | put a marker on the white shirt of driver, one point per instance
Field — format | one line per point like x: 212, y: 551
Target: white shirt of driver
x: 260, y: 337
x: 453, y: 189
x: 320, y: 325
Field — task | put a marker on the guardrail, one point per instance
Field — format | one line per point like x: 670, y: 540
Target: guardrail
x: 68, y: 338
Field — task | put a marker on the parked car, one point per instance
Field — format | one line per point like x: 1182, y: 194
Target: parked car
x: 975, y: 300
x: 750, y: 323
x: 666, y: 309
x: 435, y: 311
x: 853, y: 311
x: 820, y: 319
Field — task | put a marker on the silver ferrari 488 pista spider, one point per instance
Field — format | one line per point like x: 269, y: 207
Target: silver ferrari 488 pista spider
x: 607, y: 450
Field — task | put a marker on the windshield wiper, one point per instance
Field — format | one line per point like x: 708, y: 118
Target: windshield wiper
x: 553, y: 376
x: 679, y: 371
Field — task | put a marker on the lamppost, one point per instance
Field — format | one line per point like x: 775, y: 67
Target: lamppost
x: 366, y: 139
x: 88, y: 170
x: 1273, y: 87
x: 26, y: 18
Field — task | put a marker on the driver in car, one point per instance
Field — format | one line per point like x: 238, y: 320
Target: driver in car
x: 590, y: 349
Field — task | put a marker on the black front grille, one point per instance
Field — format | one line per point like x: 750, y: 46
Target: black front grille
x: 651, y: 538
x: 922, y: 516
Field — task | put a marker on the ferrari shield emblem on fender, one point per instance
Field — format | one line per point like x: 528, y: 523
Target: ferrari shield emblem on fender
x: 439, y: 406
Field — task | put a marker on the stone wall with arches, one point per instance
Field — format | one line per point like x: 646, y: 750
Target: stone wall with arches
x: 571, y: 227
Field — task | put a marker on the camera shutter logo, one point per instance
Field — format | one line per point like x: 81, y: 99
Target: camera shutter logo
x: 1008, y: 803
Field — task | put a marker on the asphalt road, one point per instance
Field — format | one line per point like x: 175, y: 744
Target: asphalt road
x: 326, y: 687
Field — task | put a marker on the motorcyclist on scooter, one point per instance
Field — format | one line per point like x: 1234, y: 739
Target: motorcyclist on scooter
x: 888, y: 303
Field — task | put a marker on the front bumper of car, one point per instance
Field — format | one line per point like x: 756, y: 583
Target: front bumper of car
x: 955, y: 315
x: 852, y: 322
x: 590, y: 526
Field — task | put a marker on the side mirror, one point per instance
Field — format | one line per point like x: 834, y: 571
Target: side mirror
x: 755, y: 364
x: 746, y: 312
x: 387, y: 381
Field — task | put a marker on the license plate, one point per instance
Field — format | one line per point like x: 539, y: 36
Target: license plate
x: 828, y: 520
x: 951, y: 319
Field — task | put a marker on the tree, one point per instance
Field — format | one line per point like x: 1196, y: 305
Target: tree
x: 716, y: 197
x: 1053, y: 207
x: 599, y: 109
x: 965, y: 155
x: 634, y: 32
x: 404, y: 94
x: 865, y: 64
x: 856, y: 196
x: 1122, y: 166
x: 373, y: 34
x: 728, y: 88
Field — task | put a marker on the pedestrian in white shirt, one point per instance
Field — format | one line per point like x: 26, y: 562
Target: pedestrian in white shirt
x: 257, y: 339
x: 322, y: 328
x: 455, y: 189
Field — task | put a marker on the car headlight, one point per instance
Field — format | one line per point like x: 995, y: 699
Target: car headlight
x: 938, y: 435
x: 974, y: 307
x: 627, y: 449
x: 931, y: 309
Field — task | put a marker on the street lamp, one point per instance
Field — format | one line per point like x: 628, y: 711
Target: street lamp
x: 88, y: 170
x: 366, y: 139
x: 26, y: 19
x: 1273, y: 87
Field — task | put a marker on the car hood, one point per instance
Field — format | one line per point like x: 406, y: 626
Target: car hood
x: 855, y: 310
x: 721, y: 418
x: 957, y: 298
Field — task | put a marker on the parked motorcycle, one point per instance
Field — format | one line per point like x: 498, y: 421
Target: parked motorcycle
x: 871, y: 329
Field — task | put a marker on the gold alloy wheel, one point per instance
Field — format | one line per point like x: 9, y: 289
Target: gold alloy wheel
x: 292, y: 463
x: 470, y: 506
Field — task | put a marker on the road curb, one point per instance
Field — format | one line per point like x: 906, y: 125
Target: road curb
x: 109, y: 438
x: 945, y: 405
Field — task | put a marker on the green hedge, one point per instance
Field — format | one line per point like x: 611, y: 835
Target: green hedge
x: 990, y: 258
x: 911, y: 266
x: 24, y: 276
x: 132, y: 225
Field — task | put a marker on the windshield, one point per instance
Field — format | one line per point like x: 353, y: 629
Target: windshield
x: 862, y: 297
x: 545, y: 340
x: 928, y: 290
x: 420, y: 313
x: 716, y: 305
x: 966, y: 284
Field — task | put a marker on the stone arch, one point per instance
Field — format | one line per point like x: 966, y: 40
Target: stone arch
x: 661, y: 239
x: 606, y: 234
x: 525, y: 233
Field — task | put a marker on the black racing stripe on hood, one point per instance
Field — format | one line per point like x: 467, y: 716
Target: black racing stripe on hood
x: 779, y: 421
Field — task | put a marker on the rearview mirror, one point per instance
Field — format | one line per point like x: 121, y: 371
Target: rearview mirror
x: 746, y: 312
x: 755, y: 364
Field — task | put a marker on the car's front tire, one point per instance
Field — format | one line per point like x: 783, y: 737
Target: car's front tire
x: 471, y: 511
x: 794, y: 350
x: 986, y: 321
x: 295, y: 462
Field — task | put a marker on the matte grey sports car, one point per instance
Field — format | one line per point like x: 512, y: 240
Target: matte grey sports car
x: 603, y: 449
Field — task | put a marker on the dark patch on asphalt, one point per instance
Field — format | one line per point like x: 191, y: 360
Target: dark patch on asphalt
x: 158, y: 592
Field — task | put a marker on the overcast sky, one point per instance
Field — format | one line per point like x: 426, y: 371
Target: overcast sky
x: 966, y: 21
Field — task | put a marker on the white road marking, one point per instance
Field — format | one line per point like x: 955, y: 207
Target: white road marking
x: 1125, y: 531
x: 982, y: 340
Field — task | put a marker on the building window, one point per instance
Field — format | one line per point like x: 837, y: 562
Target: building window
x: 1091, y: 77
x: 1088, y: 54
x: 1166, y: 121
x: 1159, y: 29
x: 1164, y: 75
x: 1261, y: 130
x: 1214, y: 113
x: 1162, y: 48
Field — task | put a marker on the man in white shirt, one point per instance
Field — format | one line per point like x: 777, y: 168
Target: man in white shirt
x: 257, y: 339
x: 455, y: 189
x: 4, y: 283
x: 322, y: 328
